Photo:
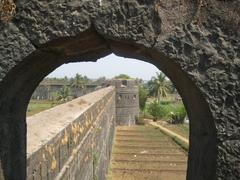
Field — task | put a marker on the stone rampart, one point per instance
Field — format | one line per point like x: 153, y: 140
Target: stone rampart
x: 72, y: 140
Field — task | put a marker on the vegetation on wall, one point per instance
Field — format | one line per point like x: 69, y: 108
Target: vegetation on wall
x: 95, y: 159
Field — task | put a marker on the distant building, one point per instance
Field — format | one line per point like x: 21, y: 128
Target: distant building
x: 48, y: 90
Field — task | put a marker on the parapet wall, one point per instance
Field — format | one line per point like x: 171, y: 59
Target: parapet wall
x: 72, y: 140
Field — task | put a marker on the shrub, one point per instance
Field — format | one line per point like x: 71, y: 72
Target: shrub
x: 157, y: 110
x: 179, y: 114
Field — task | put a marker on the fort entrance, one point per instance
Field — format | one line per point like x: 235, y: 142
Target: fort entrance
x: 195, y: 45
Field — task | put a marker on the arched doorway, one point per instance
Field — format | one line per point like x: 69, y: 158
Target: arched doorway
x: 203, y: 69
x: 199, y: 117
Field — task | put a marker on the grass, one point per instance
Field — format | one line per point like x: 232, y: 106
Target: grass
x: 181, y: 129
x: 36, y: 106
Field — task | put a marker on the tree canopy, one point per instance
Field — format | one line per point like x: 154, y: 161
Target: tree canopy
x: 122, y: 76
x: 159, y: 86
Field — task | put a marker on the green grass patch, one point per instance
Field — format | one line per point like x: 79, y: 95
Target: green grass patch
x: 183, y: 145
x: 181, y: 129
x: 36, y: 106
x: 178, y: 141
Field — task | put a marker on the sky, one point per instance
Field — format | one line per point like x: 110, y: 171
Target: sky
x: 109, y: 66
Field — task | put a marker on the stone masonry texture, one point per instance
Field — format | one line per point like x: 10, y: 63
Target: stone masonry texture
x: 127, y: 101
x: 195, y: 43
x: 73, y: 140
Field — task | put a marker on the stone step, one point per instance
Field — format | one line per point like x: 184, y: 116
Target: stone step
x: 163, y: 139
x: 141, y: 152
x: 151, y: 166
x: 148, y: 151
x: 150, y: 157
x: 139, y: 140
x: 150, y: 144
x: 140, y: 136
x: 151, y: 161
x: 134, y: 128
x: 139, y: 132
x: 147, y: 175
x: 147, y: 146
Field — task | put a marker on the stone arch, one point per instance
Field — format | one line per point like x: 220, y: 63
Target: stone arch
x: 201, y: 60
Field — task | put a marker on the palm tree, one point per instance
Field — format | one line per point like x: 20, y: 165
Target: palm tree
x: 159, y: 86
x: 63, y: 94
x: 79, y: 81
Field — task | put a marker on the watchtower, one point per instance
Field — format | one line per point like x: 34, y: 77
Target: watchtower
x: 127, y: 101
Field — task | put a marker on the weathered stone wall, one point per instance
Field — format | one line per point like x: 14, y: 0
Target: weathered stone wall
x: 73, y: 140
x: 196, y: 43
x: 127, y: 101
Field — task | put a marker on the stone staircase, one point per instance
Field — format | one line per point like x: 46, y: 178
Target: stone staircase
x: 143, y: 152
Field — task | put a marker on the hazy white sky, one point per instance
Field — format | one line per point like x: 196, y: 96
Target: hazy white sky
x: 109, y: 67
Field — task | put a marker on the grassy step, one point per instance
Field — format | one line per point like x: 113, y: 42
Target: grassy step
x: 140, y: 135
x: 150, y: 161
x: 135, y: 128
x: 148, y: 151
x: 141, y: 146
x: 146, y: 165
x: 140, y: 132
x: 135, y: 139
x: 148, y: 170
x: 149, y: 157
x: 147, y: 175
x: 141, y: 152
x: 141, y: 140
x: 150, y: 139
x: 150, y: 144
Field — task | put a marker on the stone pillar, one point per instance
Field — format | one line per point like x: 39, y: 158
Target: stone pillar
x: 127, y: 101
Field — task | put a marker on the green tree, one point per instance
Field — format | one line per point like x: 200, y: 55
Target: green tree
x: 142, y: 97
x: 122, y: 76
x: 172, y: 89
x: 79, y: 81
x: 157, y: 110
x: 159, y: 86
x: 63, y: 94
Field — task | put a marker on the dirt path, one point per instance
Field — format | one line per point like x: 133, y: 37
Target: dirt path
x: 143, y: 152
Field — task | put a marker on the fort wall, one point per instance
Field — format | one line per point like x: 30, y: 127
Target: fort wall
x: 72, y: 140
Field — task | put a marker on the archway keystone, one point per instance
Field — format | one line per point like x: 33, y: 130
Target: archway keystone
x: 195, y: 43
